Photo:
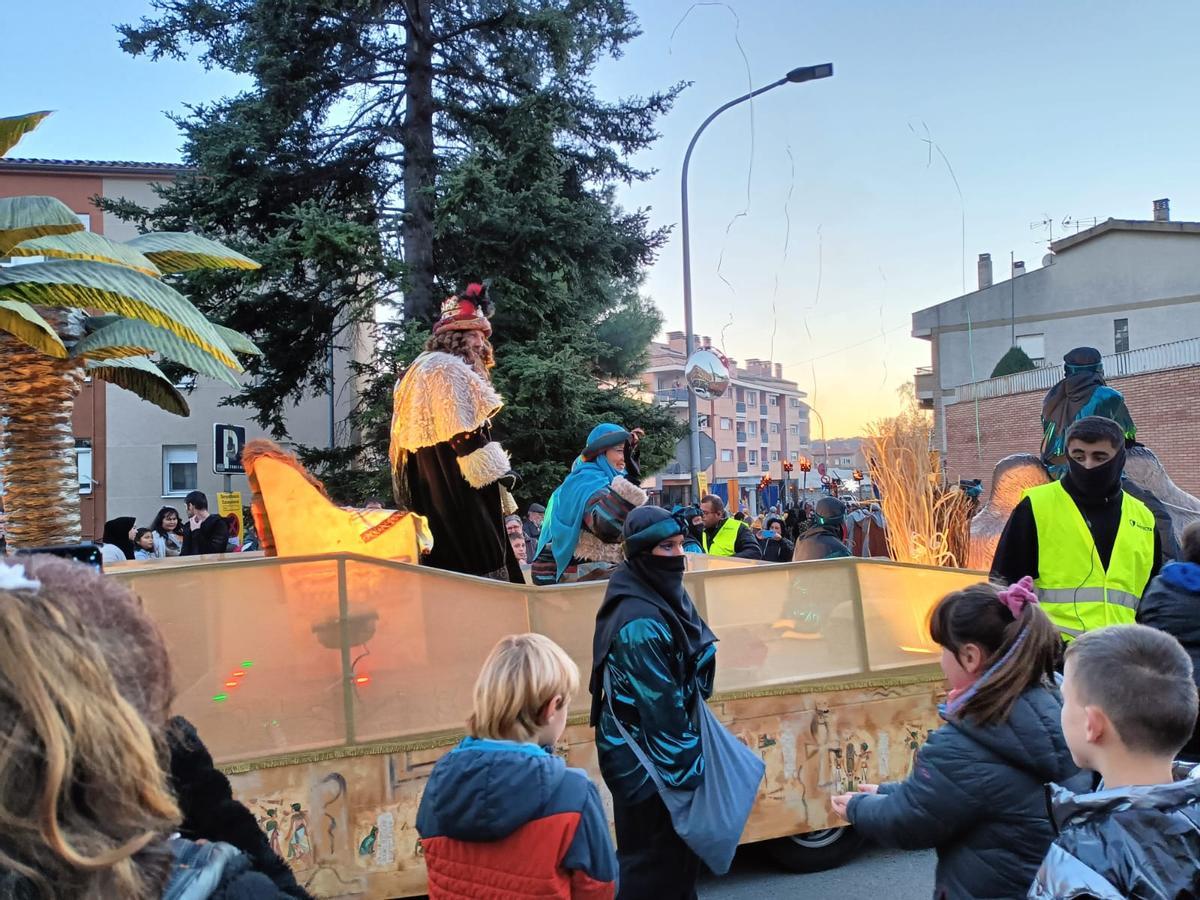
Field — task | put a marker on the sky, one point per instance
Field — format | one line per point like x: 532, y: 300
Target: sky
x: 822, y: 214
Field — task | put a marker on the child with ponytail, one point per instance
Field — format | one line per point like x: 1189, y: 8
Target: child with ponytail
x: 976, y: 792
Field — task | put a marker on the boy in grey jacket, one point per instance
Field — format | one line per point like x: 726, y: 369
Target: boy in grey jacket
x: 1129, y: 705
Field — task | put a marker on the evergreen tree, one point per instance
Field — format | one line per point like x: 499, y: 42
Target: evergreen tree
x: 472, y: 126
x: 1013, y: 361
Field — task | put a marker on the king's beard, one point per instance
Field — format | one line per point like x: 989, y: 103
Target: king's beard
x: 481, y: 359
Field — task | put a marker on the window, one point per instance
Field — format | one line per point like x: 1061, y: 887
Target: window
x: 1034, y: 346
x: 795, y: 455
x: 795, y: 404
x: 774, y: 428
x: 85, y: 219
x: 1121, y: 335
x: 751, y: 398
x: 179, y: 464
x: 794, y: 429
x: 726, y: 424
x: 83, y: 462
x: 774, y: 456
x: 753, y: 457
x: 726, y: 456
x: 752, y: 428
x: 773, y: 400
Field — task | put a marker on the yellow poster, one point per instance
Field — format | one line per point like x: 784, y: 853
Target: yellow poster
x: 735, y: 496
x: 231, y: 505
x: 703, y: 484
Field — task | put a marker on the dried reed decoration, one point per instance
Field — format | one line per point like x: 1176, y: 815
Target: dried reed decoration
x: 926, y: 523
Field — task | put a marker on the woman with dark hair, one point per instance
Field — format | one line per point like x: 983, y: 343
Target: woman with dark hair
x: 976, y: 792
x: 168, y: 533
x: 117, y: 539
x: 659, y: 657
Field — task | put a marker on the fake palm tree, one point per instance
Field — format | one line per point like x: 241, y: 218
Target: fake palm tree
x: 93, y: 308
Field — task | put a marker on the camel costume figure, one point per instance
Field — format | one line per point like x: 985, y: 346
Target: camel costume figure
x: 445, y: 465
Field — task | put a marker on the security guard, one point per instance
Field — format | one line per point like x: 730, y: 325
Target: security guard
x: 1091, y: 547
x: 724, y: 536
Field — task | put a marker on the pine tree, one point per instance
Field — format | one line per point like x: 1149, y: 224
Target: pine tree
x: 1013, y: 361
x: 468, y: 129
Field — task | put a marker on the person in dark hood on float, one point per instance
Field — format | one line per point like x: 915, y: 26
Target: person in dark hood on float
x: 1081, y: 393
x: 659, y: 654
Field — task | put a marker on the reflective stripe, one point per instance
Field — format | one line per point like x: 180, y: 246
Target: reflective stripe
x: 1088, y: 595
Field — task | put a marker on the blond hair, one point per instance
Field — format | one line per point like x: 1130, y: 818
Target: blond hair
x: 85, y: 806
x: 521, y: 675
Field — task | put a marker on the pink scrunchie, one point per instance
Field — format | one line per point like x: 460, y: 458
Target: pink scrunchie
x: 1018, y: 596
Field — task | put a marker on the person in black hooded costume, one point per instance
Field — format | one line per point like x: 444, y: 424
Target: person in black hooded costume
x: 661, y: 657
x: 1081, y: 393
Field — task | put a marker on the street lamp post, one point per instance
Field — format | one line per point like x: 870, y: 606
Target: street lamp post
x: 804, y: 73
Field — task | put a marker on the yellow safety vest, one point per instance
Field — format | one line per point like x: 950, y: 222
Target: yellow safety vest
x: 725, y: 543
x: 1075, y: 590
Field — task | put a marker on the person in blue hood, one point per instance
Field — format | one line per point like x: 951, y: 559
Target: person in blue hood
x: 660, y: 657
x: 1172, y: 604
x: 502, y: 816
x: 976, y: 792
x: 581, y: 534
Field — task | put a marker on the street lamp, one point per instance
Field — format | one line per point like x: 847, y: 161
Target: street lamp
x: 795, y: 76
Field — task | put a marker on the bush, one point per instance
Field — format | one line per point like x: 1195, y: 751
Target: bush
x: 1015, y: 360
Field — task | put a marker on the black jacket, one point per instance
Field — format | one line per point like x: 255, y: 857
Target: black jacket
x: 746, y: 546
x: 1172, y: 604
x: 777, y: 550
x: 211, y: 813
x: 1133, y: 843
x: 1017, y: 552
x: 976, y: 794
x: 211, y: 537
x: 821, y: 542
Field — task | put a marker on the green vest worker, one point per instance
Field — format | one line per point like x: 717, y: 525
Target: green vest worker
x: 724, y: 536
x: 1090, y: 547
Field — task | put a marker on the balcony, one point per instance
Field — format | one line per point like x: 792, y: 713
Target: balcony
x: 742, y: 468
x: 741, y: 410
x: 671, y: 396
x: 762, y: 410
x: 741, y: 437
x: 926, y: 386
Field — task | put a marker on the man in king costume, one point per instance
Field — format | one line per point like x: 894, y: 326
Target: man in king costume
x: 445, y: 465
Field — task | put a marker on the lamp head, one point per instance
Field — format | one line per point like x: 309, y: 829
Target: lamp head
x: 810, y: 73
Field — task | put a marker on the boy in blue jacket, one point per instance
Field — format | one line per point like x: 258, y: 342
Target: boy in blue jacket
x: 1129, y: 704
x: 501, y: 816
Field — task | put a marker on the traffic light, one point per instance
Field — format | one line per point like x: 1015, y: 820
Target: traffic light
x: 857, y: 475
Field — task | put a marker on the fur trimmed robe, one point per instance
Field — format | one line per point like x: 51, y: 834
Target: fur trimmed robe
x: 446, y: 466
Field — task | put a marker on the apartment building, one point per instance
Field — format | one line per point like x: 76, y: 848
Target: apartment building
x: 1120, y: 286
x: 760, y: 422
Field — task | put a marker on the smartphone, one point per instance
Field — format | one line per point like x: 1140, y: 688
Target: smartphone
x: 88, y: 553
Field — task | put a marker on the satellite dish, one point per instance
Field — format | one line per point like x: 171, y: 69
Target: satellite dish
x: 707, y: 374
x: 1048, y: 260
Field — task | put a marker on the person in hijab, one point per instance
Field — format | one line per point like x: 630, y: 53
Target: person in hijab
x: 660, y: 657
x: 1081, y: 393
x: 581, y: 534
x: 117, y: 540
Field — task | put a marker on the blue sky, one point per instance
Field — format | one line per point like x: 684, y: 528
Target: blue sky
x: 1044, y: 109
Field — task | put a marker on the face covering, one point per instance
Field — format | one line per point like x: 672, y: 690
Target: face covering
x: 668, y: 565
x: 1103, y: 480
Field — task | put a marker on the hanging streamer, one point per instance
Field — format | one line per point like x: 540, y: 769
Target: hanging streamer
x: 787, y: 239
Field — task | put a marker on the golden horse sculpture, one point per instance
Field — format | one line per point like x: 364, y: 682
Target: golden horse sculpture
x: 295, y: 517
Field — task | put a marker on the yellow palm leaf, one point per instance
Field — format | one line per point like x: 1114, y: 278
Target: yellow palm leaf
x: 90, y: 246
x: 25, y: 218
x: 13, y: 128
x: 180, y: 251
x: 93, y: 285
x: 23, y: 322
x: 144, y: 378
x: 121, y: 338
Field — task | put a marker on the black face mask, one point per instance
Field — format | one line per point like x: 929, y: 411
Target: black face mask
x: 1102, y: 481
x: 668, y: 565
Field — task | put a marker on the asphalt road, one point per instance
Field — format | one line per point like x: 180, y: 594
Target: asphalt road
x: 874, y: 874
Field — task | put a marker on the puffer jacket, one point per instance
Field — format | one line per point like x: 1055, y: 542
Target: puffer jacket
x: 1133, y: 843
x: 504, y: 820
x: 821, y: 542
x: 977, y: 794
x: 1172, y: 604
x: 216, y: 871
